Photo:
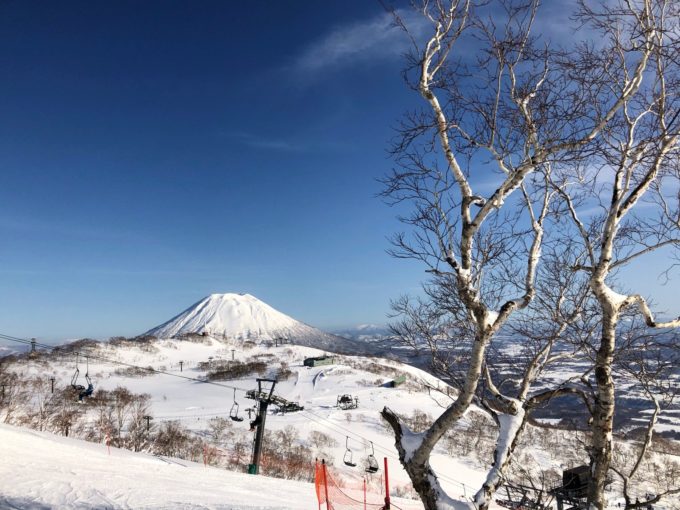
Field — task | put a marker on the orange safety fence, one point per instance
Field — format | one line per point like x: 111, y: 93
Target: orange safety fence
x: 336, y: 495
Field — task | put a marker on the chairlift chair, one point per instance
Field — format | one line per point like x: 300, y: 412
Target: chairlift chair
x: 74, y: 379
x: 233, y: 413
x: 347, y: 459
x: 82, y: 390
x: 372, y: 463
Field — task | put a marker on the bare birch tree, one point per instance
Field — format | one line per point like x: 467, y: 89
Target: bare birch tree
x: 553, y: 328
x: 621, y: 191
x: 648, y: 359
x: 501, y: 107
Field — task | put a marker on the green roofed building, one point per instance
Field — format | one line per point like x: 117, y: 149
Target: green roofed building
x: 319, y: 361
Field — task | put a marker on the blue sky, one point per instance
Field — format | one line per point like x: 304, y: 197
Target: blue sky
x: 152, y: 153
x: 155, y: 152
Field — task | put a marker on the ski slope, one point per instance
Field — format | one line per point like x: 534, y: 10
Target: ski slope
x: 194, y: 404
x: 82, y: 475
x: 39, y: 470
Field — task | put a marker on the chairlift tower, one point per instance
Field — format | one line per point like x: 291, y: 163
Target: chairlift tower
x: 264, y: 397
x: 148, y: 421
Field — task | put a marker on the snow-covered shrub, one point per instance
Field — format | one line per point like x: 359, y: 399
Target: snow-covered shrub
x: 284, y: 373
x: 219, y: 429
x: 365, y: 382
x: 81, y: 346
x: 196, y: 338
x: 320, y: 440
x: 405, y: 491
x: 226, y: 370
x: 173, y: 440
x: 284, y: 456
x: 418, y: 421
x: 134, y: 371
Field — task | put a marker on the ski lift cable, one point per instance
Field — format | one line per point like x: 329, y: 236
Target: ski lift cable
x: 324, y: 422
x: 187, y: 416
x: 339, y: 429
x: 310, y: 415
x: 320, y: 422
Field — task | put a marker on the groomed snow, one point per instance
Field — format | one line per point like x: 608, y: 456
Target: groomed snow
x: 39, y: 470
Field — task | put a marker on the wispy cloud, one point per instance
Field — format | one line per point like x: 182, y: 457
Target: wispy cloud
x: 378, y: 38
x: 372, y: 39
x: 266, y: 142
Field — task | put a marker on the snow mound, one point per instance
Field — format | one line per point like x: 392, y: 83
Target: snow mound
x: 244, y: 317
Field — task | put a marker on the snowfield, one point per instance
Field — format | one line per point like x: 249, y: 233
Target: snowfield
x: 43, y: 471
x: 194, y: 404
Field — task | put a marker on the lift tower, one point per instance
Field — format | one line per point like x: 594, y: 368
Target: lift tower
x: 264, y: 397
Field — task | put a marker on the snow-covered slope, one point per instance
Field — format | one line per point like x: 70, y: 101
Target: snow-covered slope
x: 38, y: 471
x: 42, y: 471
x: 244, y: 317
x: 195, y: 405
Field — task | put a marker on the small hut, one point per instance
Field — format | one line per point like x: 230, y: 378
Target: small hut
x: 397, y: 381
x: 319, y: 361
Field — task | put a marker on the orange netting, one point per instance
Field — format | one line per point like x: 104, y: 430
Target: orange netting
x: 337, y: 495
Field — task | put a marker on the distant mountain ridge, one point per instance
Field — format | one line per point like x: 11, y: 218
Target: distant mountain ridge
x: 244, y: 317
x: 6, y: 350
x: 365, y: 332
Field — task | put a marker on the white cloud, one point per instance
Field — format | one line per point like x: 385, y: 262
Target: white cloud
x: 291, y: 144
x: 376, y: 38
x: 263, y: 141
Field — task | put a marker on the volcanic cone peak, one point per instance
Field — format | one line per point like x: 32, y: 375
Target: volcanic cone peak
x: 242, y: 316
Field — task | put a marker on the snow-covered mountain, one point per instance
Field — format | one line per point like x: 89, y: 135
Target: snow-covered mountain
x: 244, y: 317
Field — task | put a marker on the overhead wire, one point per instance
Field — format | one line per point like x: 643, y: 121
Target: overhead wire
x: 310, y: 415
x: 325, y: 422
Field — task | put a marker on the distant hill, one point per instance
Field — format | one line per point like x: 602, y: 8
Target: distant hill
x: 365, y: 332
x: 6, y: 350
